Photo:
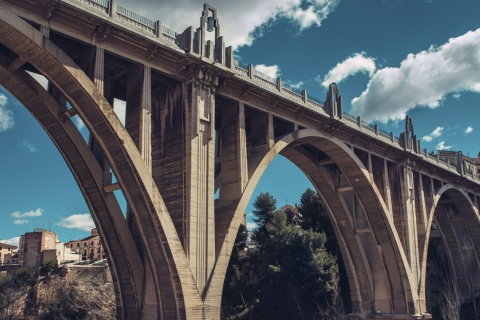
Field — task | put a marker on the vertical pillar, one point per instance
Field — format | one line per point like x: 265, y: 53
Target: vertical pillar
x: 99, y: 80
x: 200, y: 179
x: 387, y: 188
x: 145, y: 141
x: 422, y: 202
x: 234, y: 153
x: 99, y: 69
x: 410, y: 220
x: 271, y: 131
x: 45, y: 30
x: 242, y: 147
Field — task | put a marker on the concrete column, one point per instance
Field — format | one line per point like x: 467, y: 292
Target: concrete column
x: 200, y: 180
x: 99, y: 69
x: 45, y: 30
x: 145, y: 139
x: 387, y: 188
x: 422, y: 202
x: 410, y: 219
x: 98, y: 80
x: 234, y: 153
x: 271, y: 131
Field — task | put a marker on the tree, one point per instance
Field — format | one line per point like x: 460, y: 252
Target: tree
x: 297, y: 275
x: 233, y: 300
x: 315, y: 216
x: 264, y: 207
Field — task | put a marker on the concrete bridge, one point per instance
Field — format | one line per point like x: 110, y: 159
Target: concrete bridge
x: 196, y: 122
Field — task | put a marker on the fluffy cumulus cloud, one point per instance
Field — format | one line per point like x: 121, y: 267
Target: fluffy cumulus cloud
x: 271, y: 71
x: 81, y: 221
x: 240, y: 21
x: 6, y: 115
x: 422, y: 79
x: 435, y: 134
x: 468, y: 130
x: 34, y: 213
x: 357, y: 63
x: 12, y: 241
x: 20, y: 217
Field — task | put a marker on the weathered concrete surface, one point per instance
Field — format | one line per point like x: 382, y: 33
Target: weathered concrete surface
x: 197, y: 124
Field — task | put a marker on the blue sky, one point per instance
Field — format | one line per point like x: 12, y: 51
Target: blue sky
x: 389, y: 57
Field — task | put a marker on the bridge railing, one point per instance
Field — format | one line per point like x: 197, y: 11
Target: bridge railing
x: 155, y: 28
x: 136, y: 19
x: 101, y: 5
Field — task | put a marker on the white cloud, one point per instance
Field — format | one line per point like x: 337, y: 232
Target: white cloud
x: 271, y: 71
x: 81, y: 221
x: 12, y: 241
x: 350, y: 66
x: 441, y: 146
x: 251, y: 226
x: 20, y: 221
x: 468, y: 130
x: 435, y: 134
x: 423, y: 79
x: 34, y: 213
x: 456, y: 95
x: 240, y: 21
x: 29, y: 145
x: 6, y: 115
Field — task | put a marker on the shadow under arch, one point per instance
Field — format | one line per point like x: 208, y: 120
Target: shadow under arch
x: 457, y: 219
x: 395, y: 292
x: 164, y: 253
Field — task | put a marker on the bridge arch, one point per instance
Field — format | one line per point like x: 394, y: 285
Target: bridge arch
x: 378, y: 280
x: 457, y: 218
x: 164, y: 260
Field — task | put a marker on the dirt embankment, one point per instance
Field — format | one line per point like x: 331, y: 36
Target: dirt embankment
x: 73, y: 293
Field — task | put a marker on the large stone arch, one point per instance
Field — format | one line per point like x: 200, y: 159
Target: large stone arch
x: 111, y: 227
x: 399, y: 288
x: 469, y: 219
x: 175, y: 294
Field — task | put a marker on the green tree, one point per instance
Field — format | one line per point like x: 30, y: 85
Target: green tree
x: 297, y: 275
x: 234, y: 286
x: 315, y: 217
x: 264, y: 207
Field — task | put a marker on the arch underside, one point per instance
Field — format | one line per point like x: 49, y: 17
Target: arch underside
x: 358, y: 216
x: 457, y: 220
x: 171, y: 276
x: 376, y: 265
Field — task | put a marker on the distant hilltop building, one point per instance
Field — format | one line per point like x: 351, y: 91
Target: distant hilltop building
x: 6, y: 253
x: 40, y: 246
x: 90, y: 248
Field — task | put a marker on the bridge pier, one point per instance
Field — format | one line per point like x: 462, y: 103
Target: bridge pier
x: 186, y: 137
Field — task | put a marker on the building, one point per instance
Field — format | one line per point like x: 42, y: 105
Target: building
x: 40, y: 246
x: 90, y: 248
x: 5, y: 251
x: 464, y: 164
